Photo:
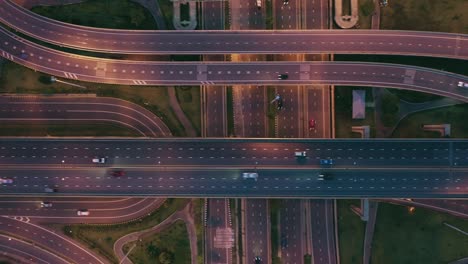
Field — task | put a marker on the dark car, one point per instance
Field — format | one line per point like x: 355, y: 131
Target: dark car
x: 311, y: 124
x: 326, y: 162
x: 279, y: 104
x: 117, y: 173
x: 286, y: 2
x: 24, y: 55
x: 282, y: 76
x: 258, y: 260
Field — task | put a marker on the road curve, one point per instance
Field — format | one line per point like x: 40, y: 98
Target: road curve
x: 221, y: 73
x: 26, y: 252
x: 223, y: 42
x: 63, y: 210
x: 42, y: 109
x: 50, y: 240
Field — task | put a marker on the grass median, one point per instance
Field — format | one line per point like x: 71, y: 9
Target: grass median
x: 420, y: 237
x: 171, y: 245
x: 68, y: 129
x: 101, y: 238
x: 351, y: 230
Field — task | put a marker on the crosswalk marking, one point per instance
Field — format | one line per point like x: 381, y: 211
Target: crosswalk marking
x: 8, y: 56
x: 139, y: 82
x: 70, y: 75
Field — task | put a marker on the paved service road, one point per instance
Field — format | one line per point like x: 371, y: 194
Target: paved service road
x: 87, y: 109
x: 267, y: 42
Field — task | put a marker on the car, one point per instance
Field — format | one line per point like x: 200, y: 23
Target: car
x: 50, y: 190
x: 282, y: 76
x: 99, y: 160
x: 462, y: 84
x: 300, y: 154
x: 24, y: 55
x: 117, y: 173
x: 46, y: 204
x: 250, y: 175
x: 326, y: 162
x: 258, y: 260
x: 82, y: 212
x: 311, y: 124
x: 286, y: 2
x: 383, y: 3
x: 279, y: 104
x: 324, y: 176
x: 6, y: 181
x: 284, y: 242
x: 259, y: 4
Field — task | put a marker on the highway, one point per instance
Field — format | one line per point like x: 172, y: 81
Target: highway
x: 217, y: 42
x: 260, y: 73
x: 81, y: 109
x: 213, y: 167
x: 347, y: 153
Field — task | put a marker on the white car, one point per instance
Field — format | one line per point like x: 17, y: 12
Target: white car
x: 82, y: 212
x: 462, y: 84
x: 6, y: 181
x: 250, y: 175
x: 99, y: 160
x: 46, y: 204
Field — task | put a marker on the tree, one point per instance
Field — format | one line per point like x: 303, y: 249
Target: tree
x: 152, y: 250
x: 166, y: 257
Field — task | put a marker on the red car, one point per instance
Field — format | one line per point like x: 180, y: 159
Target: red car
x: 118, y: 173
x: 311, y: 124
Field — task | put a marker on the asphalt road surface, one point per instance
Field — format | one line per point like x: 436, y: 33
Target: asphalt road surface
x: 52, y: 241
x: 291, y: 228
x: 26, y: 252
x: 346, y: 153
x: 46, y: 109
x: 165, y: 73
x: 190, y: 42
x: 323, y: 233
x: 64, y: 210
x: 219, y: 232
x: 210, y: 167
x: 257, y: 230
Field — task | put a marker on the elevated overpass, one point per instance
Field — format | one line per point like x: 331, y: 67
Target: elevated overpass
x: 91, y: 69
x: 214, y: 167
x: 413, y: 43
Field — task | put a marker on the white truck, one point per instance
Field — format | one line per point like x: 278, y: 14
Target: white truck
x: 300, y: 154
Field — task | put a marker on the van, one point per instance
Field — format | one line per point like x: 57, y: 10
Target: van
x: 250, y: 175
x: 300, y: 154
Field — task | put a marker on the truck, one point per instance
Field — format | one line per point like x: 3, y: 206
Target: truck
x: 300, y: 154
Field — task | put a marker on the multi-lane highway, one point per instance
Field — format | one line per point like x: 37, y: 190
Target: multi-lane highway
x: 191, y: 167
x: 190, y: 42
x: 164, y: 73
